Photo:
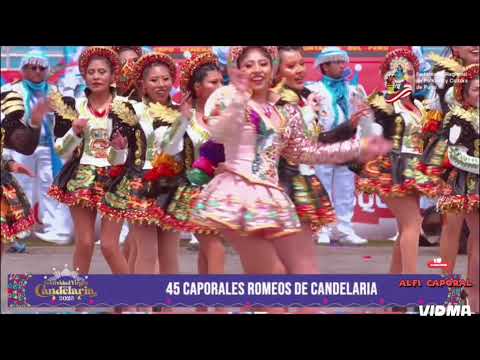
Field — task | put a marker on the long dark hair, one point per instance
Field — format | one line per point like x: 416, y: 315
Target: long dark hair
x: 199, y: 76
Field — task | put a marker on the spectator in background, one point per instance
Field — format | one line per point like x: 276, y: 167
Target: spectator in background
x: 221, y: 52
x: 72, y: 83
x: 339, y: 99
x: 44, y: 162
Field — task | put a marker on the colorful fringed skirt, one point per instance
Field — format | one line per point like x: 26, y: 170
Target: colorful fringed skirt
x: 133, y: 198
x: 396, y: 175
x: 80, y: 185
x: 16, y: 215
x: 232, y: 201
x: 165, y: 202
x: 180, y: 210
x: 434, y: 163
x: 461, y: 194
x: 310, y: 198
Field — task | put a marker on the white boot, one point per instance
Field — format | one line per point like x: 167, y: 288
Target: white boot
x: 124, y: 233
x: 322, y: 238
x: 193, y: 240
x: 352, y: 239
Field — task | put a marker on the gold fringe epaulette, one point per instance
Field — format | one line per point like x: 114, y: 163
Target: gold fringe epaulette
x: 287, y: 95
x: 11, y: 95
x: 13, y: 101
x: 377, y: 101
x: 61, y: 108
x: 125, y: 114
x: 471, y: 115
x: 446, y: 63
x: 163, y: 113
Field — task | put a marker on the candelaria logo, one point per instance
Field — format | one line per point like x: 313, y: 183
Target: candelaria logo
x: 65, y: 286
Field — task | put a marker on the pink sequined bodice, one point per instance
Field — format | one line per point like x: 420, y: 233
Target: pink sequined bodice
x: 253, y: 145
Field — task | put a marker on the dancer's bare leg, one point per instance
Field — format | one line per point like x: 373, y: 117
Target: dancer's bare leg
x: 84, y: 228
x: 168, y: 244
x: 258, y: 256
x: 473, y: 260
x: 146, y: 249
x: 110, y: 245
x: 407, y: 211
x: 449, y: 240
x: 297, y: 252
x: 211, y: 259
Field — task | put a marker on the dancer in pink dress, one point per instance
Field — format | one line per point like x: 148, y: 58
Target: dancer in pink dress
x: 244, y: 201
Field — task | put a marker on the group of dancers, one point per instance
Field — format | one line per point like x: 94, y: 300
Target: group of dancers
x: 226, y: 163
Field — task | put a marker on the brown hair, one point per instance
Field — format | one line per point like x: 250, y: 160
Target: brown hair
x: 248, y: 48
x: 289, y: 48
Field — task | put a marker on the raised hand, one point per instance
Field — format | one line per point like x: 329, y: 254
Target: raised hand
x: 374, y: 146
x: 79, y: 126
x: 119, y: 142
x: 241, y: 83
x: 362, y: 111
x: 20, y: 169
x: 42, y: 107
x: 315, y: 101
x: 186, y: 106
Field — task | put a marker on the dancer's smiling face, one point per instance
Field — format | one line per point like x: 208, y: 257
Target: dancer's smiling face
x: 292, y: 68
x: 157, y: 83
x: 258, y: 66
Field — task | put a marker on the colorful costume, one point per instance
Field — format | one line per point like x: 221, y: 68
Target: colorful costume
x: 143, y: 196
x: 206, y: 154
x: 397, y: 174
x: 445, y: 72
x: 340, y: 101
x: 85, y: 177
x: 245, y: 195
x: 434, y: 162
x: 127, y: 79
x: 44, y: 162
x: 462, y: 124
x: 299, y: 181
x: 16, y: 215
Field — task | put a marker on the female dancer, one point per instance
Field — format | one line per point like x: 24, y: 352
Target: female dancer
x: 143, y: 197
x: 435, y: 162
x: 126, y: 85
x: 461, y: 200
x: 395, y: 176
x: 89, y: 125
x: 299, y: 181
x: 129, y: 88
x: 199, y: 77
x: 244, y: 201
x: 16, y: 215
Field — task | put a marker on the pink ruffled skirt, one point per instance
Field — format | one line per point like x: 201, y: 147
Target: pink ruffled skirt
x: 233, y: 202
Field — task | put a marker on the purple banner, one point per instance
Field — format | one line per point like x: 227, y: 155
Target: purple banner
x: 70, y: 289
